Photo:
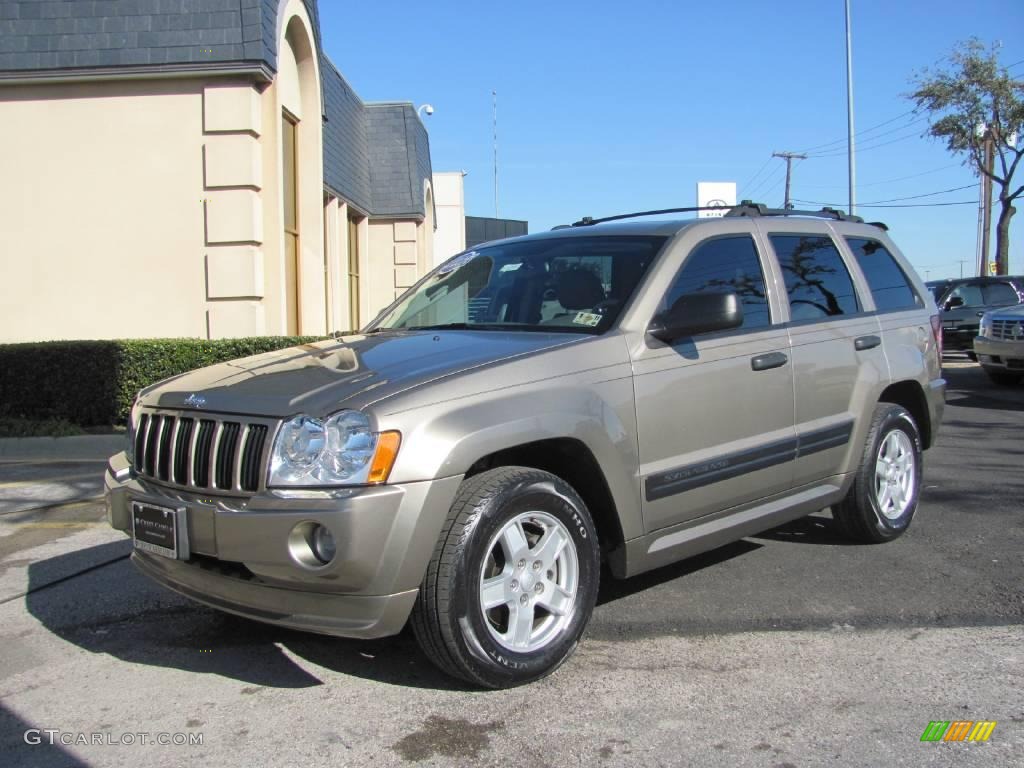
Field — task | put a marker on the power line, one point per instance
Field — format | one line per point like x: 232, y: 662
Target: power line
x: 759, y: 170
x: 885, y: 181
x: 896, y: 205
x: 777, y: 175
x: 928, y: 194
x: 861, y: 132
x: 913, y: 135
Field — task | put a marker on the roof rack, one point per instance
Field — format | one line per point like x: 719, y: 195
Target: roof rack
x: 750, y: 208
x: 744, y: 208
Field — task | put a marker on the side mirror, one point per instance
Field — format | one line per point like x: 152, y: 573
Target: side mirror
x: 953, y: 303
x: 695, y: 313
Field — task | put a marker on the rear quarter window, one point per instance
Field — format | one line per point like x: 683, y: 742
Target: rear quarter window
x: 889, y: 284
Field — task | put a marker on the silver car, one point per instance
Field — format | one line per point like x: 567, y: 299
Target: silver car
x: 619, y: 394
x: 999, y: 345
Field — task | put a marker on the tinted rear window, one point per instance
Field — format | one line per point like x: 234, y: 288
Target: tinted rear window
x: 889, y: 285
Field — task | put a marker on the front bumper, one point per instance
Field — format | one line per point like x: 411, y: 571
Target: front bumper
x: 240, y: 560
x: 999, y: 355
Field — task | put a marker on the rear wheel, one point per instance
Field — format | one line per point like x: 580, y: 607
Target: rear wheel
x: 513, y: 579
x: 882, y: 501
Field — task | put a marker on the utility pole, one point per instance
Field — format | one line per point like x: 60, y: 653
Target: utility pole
x: 788, y: 157
x: 986, y: 204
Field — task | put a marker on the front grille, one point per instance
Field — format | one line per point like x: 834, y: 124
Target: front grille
x: 216, y: 453
x: 1008, y: 330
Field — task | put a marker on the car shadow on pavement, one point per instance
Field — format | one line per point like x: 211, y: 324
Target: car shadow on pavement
x: 614, y: 589
x: 813, y: 529
x: 1008, y: 399
x: 95, y: 599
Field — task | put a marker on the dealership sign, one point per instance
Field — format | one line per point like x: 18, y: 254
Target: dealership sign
x: 715, y: 194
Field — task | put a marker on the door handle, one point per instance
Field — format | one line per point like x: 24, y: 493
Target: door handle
x: 768, y: 361
x: 866, y: 342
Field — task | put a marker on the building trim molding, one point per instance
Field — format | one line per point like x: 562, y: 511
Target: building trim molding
x: 260, y: 72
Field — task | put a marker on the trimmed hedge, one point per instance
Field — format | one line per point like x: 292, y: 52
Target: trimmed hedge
x: 93, y: 383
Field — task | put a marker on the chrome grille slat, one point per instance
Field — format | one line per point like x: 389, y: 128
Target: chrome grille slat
x: 163, y: 455
x: 211, y: 474
x: 236, y: 471
x: 204, y: 449
x: 251, y: 461
x: 152, y: 440
x: 227, y: 449
x: 182, y: 450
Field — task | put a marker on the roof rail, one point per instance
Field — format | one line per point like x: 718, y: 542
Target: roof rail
x: 587, y: 221
x: 744, y: 208
x: 750, y: 208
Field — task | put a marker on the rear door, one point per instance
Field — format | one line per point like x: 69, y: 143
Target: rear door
x: 714, y: 411
x: 838, y: 360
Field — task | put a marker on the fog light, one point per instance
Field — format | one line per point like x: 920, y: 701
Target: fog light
x: 323, y: 544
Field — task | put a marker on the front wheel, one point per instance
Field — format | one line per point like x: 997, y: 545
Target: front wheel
x: 882, y: 501
x: 513, y: 579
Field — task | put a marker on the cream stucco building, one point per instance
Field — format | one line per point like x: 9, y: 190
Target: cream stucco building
x: 197, y: 168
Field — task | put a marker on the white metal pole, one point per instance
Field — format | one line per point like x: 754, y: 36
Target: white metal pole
x: 849, y: 114
x: 494, y: 96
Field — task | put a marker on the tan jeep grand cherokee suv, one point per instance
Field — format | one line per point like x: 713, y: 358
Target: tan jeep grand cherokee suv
x: 629, y: 393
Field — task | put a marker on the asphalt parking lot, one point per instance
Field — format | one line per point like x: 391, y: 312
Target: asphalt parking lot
x: 791, y: 648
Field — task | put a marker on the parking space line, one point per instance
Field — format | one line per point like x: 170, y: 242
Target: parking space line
x: 51, y: 480
x: 60, y: 524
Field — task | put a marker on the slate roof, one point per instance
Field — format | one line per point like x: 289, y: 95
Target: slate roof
x: 375, y: 156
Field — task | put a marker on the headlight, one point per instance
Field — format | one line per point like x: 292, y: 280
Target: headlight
x: 340, y: 450
x: 985, y: 327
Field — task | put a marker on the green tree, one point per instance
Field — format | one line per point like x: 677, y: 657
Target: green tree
x: 970, y: 100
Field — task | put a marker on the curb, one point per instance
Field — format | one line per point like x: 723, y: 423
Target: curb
x: 76, y: 448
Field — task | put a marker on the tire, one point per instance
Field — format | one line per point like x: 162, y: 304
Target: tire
x: 879, y: 507
x: 495, y: 530
x: 972, y: 357
x: 1003, y: 378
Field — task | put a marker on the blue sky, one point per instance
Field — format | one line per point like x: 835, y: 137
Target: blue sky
x: 607, y: 107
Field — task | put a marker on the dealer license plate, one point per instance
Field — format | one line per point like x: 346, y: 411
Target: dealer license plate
x: 159, y: 530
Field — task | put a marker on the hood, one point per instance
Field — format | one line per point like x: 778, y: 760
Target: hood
x: 1014, y: 312
x: 350, y: 372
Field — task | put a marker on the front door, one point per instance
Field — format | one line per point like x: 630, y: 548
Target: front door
x: 715, y: 411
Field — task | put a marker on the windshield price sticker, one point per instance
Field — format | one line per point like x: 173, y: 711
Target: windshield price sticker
x: 587, y: 318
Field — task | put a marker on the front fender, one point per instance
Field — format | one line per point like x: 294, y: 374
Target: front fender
x: 446, y: 439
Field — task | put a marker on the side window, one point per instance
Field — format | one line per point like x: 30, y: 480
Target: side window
x: 970, y: 293
x: 889, y: 285
x: 817, y: 281
x: 997, y: 294
x: 725, y: 264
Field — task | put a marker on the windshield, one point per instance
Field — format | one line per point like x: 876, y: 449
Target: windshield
x: 577, y: 284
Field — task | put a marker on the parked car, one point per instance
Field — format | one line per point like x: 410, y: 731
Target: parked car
x: 628, y: 394
x: 965, y: 300
x: 999, y: 345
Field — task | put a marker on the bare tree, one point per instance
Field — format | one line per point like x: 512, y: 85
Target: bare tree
x: 972, y: 100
